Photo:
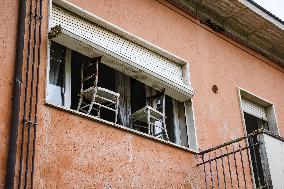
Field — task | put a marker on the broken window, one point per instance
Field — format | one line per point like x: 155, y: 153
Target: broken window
x: 156, y: 114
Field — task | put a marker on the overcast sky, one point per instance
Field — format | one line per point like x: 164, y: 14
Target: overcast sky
x: 276, y: 7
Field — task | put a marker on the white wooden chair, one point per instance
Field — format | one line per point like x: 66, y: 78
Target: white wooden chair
x: 93, y: 97
x: 154, y: 117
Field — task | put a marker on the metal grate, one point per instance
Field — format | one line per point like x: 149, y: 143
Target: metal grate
x: 254, y: 109
x: 235, y: 164
x: 116, y: 44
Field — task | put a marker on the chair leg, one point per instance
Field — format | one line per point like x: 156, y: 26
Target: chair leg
x: 116, y: 110
x: 80, y: 102
x: 93, y: 101
x: 99, y: 112
x: 166, y: 132
x: 149, y: 122
x: 91, y: 106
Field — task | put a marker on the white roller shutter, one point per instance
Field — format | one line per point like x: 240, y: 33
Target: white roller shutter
x: 254, y: 109
x: 120, y: 53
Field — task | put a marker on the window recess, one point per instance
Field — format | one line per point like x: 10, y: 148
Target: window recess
x: 168, y: 118
x: 259, y: 109
x: 151, y: 68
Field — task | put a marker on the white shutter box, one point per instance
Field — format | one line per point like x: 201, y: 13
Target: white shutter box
x: 120, y: 53
x: 254, y: 109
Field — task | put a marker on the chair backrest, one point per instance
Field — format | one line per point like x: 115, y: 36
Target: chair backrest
x: 159, y: 101
x: 90, y: 73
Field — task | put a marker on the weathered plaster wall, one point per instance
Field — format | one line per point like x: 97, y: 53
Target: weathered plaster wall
x: 8, y: 20
x: 82, y: 153
x: 76, y: 152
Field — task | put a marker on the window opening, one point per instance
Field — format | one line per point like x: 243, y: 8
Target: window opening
x: 166, y: 117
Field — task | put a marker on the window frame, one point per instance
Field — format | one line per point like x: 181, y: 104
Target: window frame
x: 269, y: 108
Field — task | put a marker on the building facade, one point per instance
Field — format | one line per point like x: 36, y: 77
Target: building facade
x: 141, y: 94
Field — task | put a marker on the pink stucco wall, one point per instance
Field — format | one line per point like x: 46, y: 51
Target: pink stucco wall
x: 74, y: 152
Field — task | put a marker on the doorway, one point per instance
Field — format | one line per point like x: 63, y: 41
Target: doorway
x: 252, y: 124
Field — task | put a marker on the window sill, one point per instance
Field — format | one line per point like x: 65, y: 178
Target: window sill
x: 120, y: 127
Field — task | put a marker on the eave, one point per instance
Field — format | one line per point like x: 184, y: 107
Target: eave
x: 242, y: 20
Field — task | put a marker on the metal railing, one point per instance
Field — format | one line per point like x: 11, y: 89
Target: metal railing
x: 235, y: 164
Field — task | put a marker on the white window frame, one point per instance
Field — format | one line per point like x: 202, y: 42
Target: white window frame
x: 269, y: 108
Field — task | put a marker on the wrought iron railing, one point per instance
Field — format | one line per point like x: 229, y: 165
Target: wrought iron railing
x: 235, y: 164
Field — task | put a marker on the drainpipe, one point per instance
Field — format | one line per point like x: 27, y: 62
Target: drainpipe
x: 12, y: 152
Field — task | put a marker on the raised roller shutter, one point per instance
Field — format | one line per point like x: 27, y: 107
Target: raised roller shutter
x: 254, y: 109
x: 120, y: 53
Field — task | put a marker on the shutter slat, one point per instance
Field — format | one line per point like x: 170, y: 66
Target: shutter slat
x: 254, y: 109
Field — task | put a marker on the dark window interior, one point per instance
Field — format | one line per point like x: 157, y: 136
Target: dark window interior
x: 76, y: 63
x: 138, y: 95
x: 170, y: 119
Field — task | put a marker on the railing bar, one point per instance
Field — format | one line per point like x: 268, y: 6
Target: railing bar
x: 236, y: 167
x: 229, y: 166
x: 218, y: 183
x: 244, y: 175
x: 204, y: 168
x: 223, y: 169
x: 230, y: 153
x: 249, y: 160
x: 255, y: 160
x: 211, y: 174
x: 232, y: 141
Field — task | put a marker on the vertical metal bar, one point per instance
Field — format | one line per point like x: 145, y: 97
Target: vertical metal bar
x: 204, y: 169
x: 149, y: 122
x: 211, y: 174
x: 223, y: 169
x: 15, y: 112
x: 255, y: 161
x: 31, y: 95
x: 244, y: 175
x: 216, y: 163
x: 249, y: 160
x: 37, y: 85
x: 229, y: 167
x: 236, y: 166
x: 24, y: 121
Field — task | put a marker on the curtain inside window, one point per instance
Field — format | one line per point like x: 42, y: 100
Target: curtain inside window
x: 123, y: 88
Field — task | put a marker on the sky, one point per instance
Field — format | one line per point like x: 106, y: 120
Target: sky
x: 276, y: 7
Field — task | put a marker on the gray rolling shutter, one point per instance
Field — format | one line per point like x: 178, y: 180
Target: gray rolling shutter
x: 254, y: 109
x: 120, y: 53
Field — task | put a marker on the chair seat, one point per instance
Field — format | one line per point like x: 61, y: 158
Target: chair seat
x: 142, y: 114
x: 101, y: 92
